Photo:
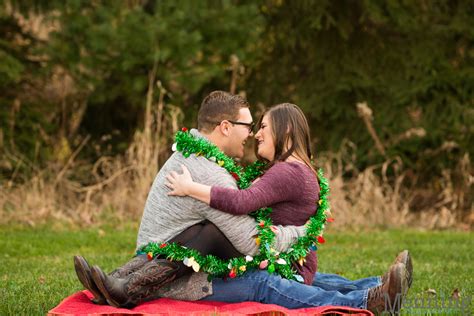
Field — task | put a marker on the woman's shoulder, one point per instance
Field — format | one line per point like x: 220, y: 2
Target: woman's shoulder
x: 289, y: 168
x: 292, y: 165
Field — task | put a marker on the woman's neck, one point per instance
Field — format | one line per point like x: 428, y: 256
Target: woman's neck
x: 294, y: 158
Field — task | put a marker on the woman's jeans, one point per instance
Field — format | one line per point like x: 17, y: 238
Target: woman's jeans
x: 260, y: 286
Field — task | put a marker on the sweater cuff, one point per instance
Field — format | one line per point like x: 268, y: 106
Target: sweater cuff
x: 215, y: 200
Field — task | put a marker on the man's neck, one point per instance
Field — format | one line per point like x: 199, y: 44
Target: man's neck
x: 215, y: 139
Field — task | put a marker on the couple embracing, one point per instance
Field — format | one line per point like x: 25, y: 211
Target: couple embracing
x: 199, y: 204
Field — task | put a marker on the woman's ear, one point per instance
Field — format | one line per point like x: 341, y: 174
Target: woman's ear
x: 288, y: 143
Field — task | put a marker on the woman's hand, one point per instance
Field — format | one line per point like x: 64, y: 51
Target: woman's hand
x: 179, y: 184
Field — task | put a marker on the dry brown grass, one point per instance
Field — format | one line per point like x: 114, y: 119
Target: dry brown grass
x: 453, y: 196
x: 119, y: 191
x: 366, y: 197
x: 369, y: 197
x: 359, y: 198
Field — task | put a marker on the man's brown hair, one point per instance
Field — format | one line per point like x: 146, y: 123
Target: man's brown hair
x: 219, y: 106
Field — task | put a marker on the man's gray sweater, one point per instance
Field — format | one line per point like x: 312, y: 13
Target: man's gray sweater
x: 166, y: 216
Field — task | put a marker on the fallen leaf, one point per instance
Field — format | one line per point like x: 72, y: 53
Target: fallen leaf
x: 41, y: 279
x: 431, y: 291
x: 456, y: 294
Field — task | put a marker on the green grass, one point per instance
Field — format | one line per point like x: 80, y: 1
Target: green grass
x: 36, y: 269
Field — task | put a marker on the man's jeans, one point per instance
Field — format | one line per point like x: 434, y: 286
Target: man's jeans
x: 260, y: 286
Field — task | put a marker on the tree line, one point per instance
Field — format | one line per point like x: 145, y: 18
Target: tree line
x: 394, y: 79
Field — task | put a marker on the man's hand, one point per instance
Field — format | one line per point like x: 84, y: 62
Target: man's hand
x: 179, y: 184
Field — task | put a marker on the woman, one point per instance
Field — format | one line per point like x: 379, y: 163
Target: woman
x: 289, y: 186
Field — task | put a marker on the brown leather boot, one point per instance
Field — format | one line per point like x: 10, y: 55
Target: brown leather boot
x: 130, y: 267
x: 137, y: 287
x: 83, y: 271
x: 389, y: 295
x: 405, y: 258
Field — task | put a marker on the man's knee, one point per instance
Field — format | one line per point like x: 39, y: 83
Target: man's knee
x: 188, y: 234
x: 211, y: 230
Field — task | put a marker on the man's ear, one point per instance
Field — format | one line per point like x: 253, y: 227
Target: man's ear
x: 224, y: 128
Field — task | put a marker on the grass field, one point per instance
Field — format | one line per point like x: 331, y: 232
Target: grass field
x: 36, y: 270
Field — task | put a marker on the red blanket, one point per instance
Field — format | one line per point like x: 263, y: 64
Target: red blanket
x: 80, y: 304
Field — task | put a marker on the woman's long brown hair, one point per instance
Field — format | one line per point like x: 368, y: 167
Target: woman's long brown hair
x: 289, y: 124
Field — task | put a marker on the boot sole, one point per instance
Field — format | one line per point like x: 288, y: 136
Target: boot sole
x: 81, y: 271
x: 409, y: 266
x: 402, y: 276
x: 406, y: 260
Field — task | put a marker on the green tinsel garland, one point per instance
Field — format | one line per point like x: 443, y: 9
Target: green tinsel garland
x: 268, y: 258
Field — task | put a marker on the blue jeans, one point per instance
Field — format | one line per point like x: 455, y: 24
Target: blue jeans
x: 260, y: 286
x: 334, y: 282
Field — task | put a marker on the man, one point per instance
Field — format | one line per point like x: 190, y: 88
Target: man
x: 225, y: 121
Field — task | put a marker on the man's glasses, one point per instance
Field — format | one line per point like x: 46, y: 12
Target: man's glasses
x: 250, y: 126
